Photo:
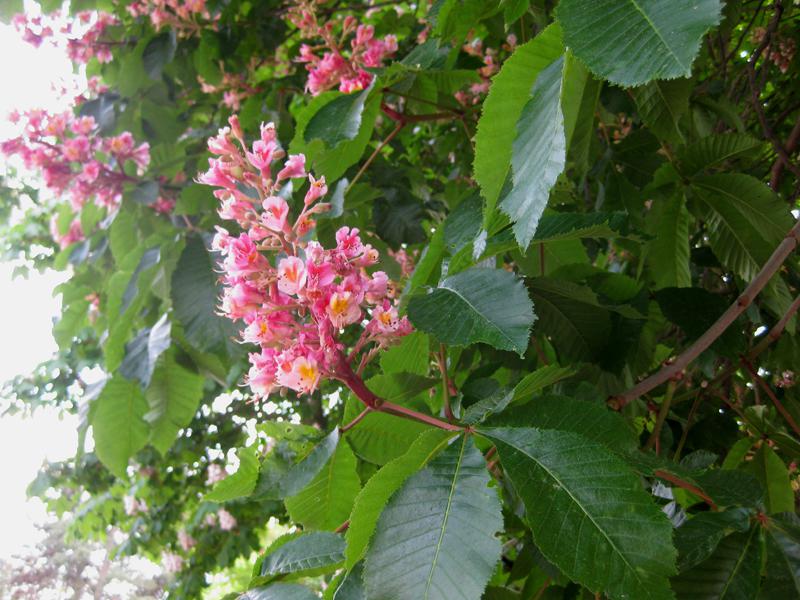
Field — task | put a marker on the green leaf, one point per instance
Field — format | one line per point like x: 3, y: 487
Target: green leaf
x: 338, y: 120
x: 476, y: 305
x: 423, y: 534
x: 576, y: 226
x: 123, y: 234
x: 279, y: 591
x: 714, y: 150
x: 117, y: 424
x: 239, y: 484
x: 668, y: 250
x: 773, y: 475
x: 173, y: 397
x: 661, y: 104
x: 326, y: 501
x: 9, y: 8
x: 631, y: 42
x: 588, y: 512
x: 376, y: 493
x: 195, y: 297
x: 783, y: 558
x: 304, y: 472
x: 508, y: 95
x: 746, y: 220
x: 159, y: 51
x: 539, y: 153
x: 535, y: 382
x: 591, y: 420
x: 352, y: 586
x: 411, y: 355
x: 699, y: 536
x: 306, y: 555
x: 333, y: 162
x: 571, y: 316
x: 144, y: 350
x: 731, y: 573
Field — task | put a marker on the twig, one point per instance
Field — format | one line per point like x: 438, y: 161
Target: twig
x: 355, y: 421
x: 343, y: 527
x: 674, y: 479
x: 768, y: 391
x: 791, y: 145
x: 685, y: 433
x: 374, y: 155
x: 781, y: 253
x: 662, y: 415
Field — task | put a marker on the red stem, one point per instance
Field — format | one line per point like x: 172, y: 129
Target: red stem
x: 768, y: 391
x: 674, y: 479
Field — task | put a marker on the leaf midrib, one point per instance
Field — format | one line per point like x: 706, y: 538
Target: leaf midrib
x: 658, y: 33
x: 446, y: 517
x: 577, y: 503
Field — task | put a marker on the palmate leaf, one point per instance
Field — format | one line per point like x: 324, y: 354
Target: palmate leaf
x: 713, y: 150
x: 508, y: 94
x: 435, y: 540
x: 631, y: 42
x: 376, y: 493
x: 539, y: 153
x: 732, y: 572
x: 476, y: 305
x: 588, y: 512
x: 325, y: 503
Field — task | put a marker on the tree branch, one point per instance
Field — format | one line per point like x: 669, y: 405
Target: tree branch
x: 781, y: 253
x: 768, y: 391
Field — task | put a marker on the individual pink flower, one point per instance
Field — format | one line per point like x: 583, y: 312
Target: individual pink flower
x: 348, y: 242
x: 295, y: 167
x: 276, y: 210
x: 291, y: 275
x: 215, y: 473
x: 172, y: 562
x: 218, y: 174
x: 243, y: 257
x: 316, y: 190
x: 226, y: 520
x: 343, y: 309
x: 241, y: 300
x: 301, y: 374
x: 186, y: 541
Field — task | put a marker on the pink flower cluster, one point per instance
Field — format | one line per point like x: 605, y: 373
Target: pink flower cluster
x: 338, y: 66
x: 295, y: 305
x: 73, y: 158
x: 476, y: 91
x: 81, y: 37
x: 184, y: 16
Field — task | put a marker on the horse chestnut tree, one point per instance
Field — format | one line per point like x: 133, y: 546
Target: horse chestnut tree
x: 480, y: 299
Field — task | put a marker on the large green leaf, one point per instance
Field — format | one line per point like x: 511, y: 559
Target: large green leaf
x: 783, y: 557
x: 476, y: 305
x: 117, y: 424
x: 774, y: 477
x: 325, y: 503
x: 411, y: 355
x: 376, y: 493
x: 698, y: 537
x: 302, y: 473
x: 661, y: 104
x: 508, y: 94
x: 442, y: 522
x: 588, y: 512
x: 555, y: 227
x: 539, y: 153
x: 241, y: 483
x: 338, y: 120
x: 746, y: 220
x: 668, y: 250
x: 279, y: 591
x: 714, y: 150
x: 173, y: 396
x: 304, y: 555
x: 732, y: 572
x: 333, y: 162
x: 143, y: 351
x: 535, y: 382
x: 631, y: 42
x: 592, y: 420
x: 571, y: 316
x: 352, y: 586
x: 195, y: 297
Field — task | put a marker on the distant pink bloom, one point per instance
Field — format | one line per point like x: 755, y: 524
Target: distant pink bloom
x: 226, y: 520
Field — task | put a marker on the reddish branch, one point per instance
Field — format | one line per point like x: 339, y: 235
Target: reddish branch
x: 768, y: 391
x: 675, y: 480
x: 780, y: 164
x: 346, y: 375
x: 781, y: 253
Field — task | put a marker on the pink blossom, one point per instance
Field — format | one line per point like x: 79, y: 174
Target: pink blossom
x: 294, y: 167
x: 291, y: 275
x: 343, y: 309
x: 316, y: 190
x: 300, y: 374
x: 243, y: 257
x: 172, y: 562
x: 215, y: 473
x: 186, y: 541
x: 226, y: 520
x: 276, y: 210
